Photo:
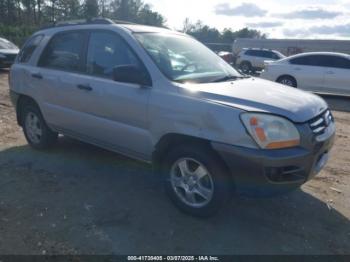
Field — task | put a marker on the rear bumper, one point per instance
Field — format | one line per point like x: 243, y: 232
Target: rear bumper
x: 266, y: 172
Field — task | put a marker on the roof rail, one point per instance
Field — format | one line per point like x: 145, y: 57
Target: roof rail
x: 91, y: 21
x: 123, y: 22
x: 98, y: 20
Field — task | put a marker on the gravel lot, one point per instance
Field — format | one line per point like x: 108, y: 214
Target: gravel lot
x: 78, y: 199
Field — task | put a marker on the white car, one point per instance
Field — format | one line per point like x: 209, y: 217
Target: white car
x: 250, y: 60
x: 320, y: 72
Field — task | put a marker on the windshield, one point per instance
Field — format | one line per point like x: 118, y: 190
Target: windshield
x: 183, y: 59
x: 4, y: 44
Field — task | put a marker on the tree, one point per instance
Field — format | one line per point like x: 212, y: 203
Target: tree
x: 207, y: 34
x: 91, y: 9
x: 20, y: 18
x: 70, y: 9
x: 187, y: 26
x: 148, y: 17
x: 136, y: 11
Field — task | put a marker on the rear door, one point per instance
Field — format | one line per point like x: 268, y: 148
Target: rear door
x: 337, y: 77
x: 21, y: 79
x: 58, y: 75
x: 309, y: 71
x: 251, y: 56
x: 262, y: 56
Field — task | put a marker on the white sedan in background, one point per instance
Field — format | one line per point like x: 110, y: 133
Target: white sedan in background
x: 320, y: 72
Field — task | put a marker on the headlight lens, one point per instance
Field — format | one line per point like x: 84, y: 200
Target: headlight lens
x: 271, y: 132
x: 2, y: 56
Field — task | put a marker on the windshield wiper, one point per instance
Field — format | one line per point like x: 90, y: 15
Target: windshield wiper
x: 228, y: 78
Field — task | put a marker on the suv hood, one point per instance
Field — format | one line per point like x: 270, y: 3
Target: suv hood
x: 259, y: 95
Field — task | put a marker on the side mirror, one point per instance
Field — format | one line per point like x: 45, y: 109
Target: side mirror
x: 131, y: 74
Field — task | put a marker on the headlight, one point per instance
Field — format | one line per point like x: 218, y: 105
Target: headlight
x: 271, y: 132
x: 2, y: 56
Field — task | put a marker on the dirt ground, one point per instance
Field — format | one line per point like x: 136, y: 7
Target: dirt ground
x: 78, y: 199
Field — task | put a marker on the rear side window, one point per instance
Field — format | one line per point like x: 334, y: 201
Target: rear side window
x: 65, y: 52
x: 29, y: 48
x: 322, y: 61
x: 266, y: 54
x: 338, y: 62
x: 261, y: 53
x: 251, y: 52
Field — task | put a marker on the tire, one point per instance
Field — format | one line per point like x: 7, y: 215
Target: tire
x: 35, y: 129
x: 245, y: 67
x: 202, y: 185
x: 287, y: 81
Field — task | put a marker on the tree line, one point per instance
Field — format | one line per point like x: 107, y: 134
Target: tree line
x: 20, y: 18
x: 215, y: 39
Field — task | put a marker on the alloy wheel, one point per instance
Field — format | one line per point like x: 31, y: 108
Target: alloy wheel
x: 192, y: 182
x: 33, y: 127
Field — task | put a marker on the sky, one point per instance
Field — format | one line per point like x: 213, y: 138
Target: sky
x: 312, y: 19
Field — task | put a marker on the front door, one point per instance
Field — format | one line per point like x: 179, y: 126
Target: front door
x: 117, y: 112
x: 309, y: 72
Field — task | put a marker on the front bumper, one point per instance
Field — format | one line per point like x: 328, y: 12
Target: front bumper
x: 266, y: 172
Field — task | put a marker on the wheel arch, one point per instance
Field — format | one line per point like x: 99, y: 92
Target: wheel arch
x: 23, y: 100
x: 287, y: 75
x: 172, y: 140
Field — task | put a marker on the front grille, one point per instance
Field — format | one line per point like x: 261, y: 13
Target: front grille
x: 319, y: 124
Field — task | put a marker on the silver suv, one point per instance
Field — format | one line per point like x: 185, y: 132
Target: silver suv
x: 162, y: 97
x: 251, y: 60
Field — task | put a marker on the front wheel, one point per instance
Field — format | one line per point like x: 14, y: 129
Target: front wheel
x: 245, y: 67
x: 196, y: 180
x: 287, y: 81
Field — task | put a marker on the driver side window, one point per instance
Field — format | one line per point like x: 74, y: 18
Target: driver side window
x: 107, y: 51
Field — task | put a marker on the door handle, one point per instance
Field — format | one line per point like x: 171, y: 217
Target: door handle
x: 330, y: 73
x: 37, y: 76
x: 85, y: 87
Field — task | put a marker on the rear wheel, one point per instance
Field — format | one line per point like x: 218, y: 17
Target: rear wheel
x: 36, y: 131
x: 287, y: 81
x: 245, y: 67
x: 196, y: 181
